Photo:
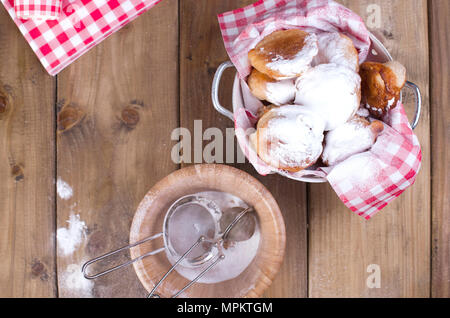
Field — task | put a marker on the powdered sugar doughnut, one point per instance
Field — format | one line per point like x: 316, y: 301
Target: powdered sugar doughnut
x: 265, y: 88
x: 381, y: 86
x: 330, y: 90
x: 284, y: 54
x: 289, y: 138
x: 355, y: 136
x: 336, y: 48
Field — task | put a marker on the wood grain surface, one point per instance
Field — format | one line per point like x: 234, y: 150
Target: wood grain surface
x: 397, y: 240
x: 104, y: 126
x: 126, y: 89
x: 27, y: 168
x: 440, y: 152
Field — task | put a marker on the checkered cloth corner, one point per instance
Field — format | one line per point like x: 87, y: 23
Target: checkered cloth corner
x: 243, y: 28
x: 367, y: 182
x: 82, y: 25
x: 38, y: 9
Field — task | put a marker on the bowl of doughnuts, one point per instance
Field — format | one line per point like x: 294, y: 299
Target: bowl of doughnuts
x: 313, y: 103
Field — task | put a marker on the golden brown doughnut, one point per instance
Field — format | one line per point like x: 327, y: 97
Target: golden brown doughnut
x: 381, y: 86
x: 265, y: 88
x: 289, y: 138
x: 284, y: 54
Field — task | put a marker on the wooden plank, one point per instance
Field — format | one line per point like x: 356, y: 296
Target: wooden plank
x: 440, y: 132
x: 27, y: 266
x: 121, y: 104
x: 342, y: 246
x: 201, y: 52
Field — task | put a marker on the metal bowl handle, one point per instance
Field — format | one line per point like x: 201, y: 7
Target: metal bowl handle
x: 215, y: 90
x: 418, y: 97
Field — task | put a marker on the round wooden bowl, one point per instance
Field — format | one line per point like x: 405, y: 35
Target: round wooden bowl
x: 149, y: 218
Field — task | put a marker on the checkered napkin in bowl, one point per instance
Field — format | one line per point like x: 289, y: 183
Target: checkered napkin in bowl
x: 82, y: 25
x: 38, y: 9
x: 366, y: 182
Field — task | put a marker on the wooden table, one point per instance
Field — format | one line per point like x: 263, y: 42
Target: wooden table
x: 104, y: 125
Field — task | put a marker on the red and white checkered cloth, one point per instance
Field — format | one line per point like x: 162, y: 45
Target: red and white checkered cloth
x: 243, y: 28
x: 81, y: 25
x: 366, y: 182
x: 38, y: 9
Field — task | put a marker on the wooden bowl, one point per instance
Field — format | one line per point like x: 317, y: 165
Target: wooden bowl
x: 149, y: 218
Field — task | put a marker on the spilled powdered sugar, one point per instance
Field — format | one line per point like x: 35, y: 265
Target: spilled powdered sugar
x: 64, y: 190
x: 74, y: 284
x: 70, y: 238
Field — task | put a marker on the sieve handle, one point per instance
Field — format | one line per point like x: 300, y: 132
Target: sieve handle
x: 109, y: 270
x: 199, y: 241
x: 218, y: 259
x: 215, y: 90
x: 418, y: 97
